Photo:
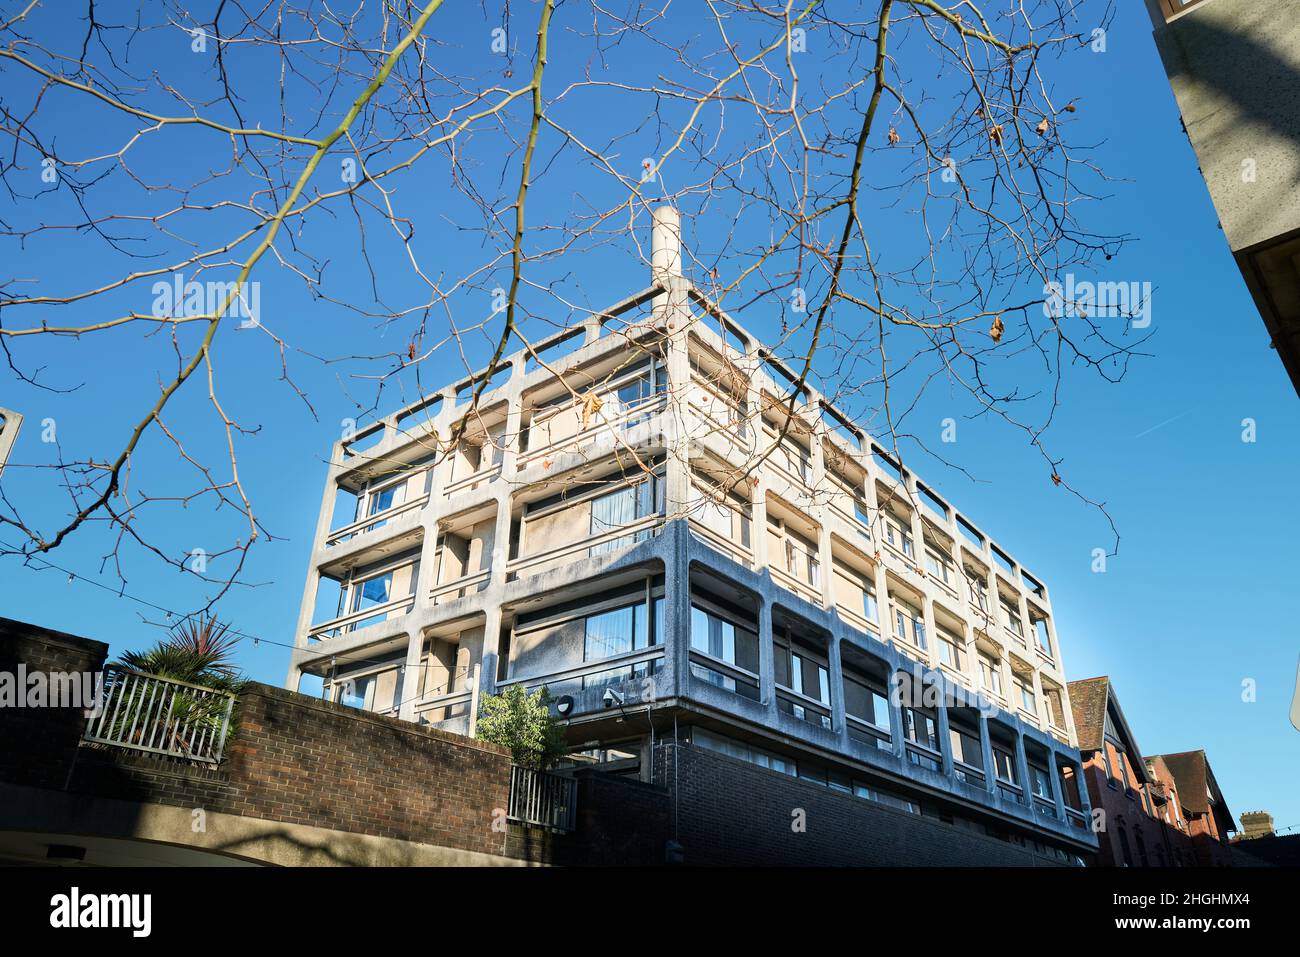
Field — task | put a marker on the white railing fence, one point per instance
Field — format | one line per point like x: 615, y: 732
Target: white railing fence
x: 161, y: 716
x: 543, y: 799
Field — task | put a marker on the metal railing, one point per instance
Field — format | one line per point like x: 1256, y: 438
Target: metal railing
x: 543, y: 799
x: 161, y: 716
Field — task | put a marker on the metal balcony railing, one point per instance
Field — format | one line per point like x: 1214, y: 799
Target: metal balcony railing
x: 542, y: 799
x: 156, y: 715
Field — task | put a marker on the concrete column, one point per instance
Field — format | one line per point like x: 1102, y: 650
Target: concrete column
x: 1022, y: 768
x: 818, y: 506
x: 839, y: 724
x: 676, y: 628
x: 1085, y: 803
x: 665, y: 244
x: 1058, y: 787
x: 754, y: 429
x: 896, y: 712
x: 509, y: 459
x: 1009, y: 692
x: 307, y: 608
x: 945, y: 736
x: 766, y: 658
x: 986, y: 752
x: 432, y: 509
x: 412, y: 673
x: 1040, y: 704
x: 485, y: 680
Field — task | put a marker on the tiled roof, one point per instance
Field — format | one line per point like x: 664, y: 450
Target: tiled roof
x: 1189, y: 771
x: 1088, y: 702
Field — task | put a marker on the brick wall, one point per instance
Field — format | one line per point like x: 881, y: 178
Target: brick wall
x: 1164, y: 844
x: 621, y: 822
x: 732, y: 812
x: 298, y: 760
x: 37, y: 744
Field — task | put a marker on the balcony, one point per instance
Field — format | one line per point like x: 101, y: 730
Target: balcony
x: 589, y: 547
x: 354, y: 621
x: 461, y: 587
x: 374, y: 522
x: 574, y: 423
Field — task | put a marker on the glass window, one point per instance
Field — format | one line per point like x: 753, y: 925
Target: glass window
x: 951, y: 652
x: 1012, y: 615
x: 866, y: 703
x: 387, y: 498
x: 920, y: 728
x: 1040, y: 782
x: 1044, y: 639
x: 990, y: 674
x: 869, y: 608
x: 801, y: 673
x: 719, y: 638
x: 621, y: 507
x: 909, y: 626
x: 1005, y: 764
x: 938, y: 566
x: 1027, y: 697
x: 616, y: 632
x: 900, y: 539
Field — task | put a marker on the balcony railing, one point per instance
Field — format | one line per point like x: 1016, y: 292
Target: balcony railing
x: 804, y: 590
x: 729, y: 548
x: 648, y: 525
x: 376, y: 520
x: 472, y: 481
x: 350, y: 622
x: 460, y: 587
x: 156, y: 715
x: 543, y: 799
x: 627, y: 418
x: 572, y: 679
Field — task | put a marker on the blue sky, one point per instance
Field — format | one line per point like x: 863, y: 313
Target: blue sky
x: 1196, y: 601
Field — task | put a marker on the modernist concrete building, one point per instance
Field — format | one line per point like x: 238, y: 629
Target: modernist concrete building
x: 630, y: 518
x: 1234, y: 66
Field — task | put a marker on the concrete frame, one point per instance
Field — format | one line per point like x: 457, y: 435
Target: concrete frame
x: 678, y: 323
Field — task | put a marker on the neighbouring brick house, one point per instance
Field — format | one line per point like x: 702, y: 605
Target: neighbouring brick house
x: 1162, y: 811
x: 1209, y: 821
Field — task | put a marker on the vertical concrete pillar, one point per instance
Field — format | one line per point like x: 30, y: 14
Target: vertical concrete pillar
x: 412, y: 674
x: 665, y: 245
x: 766, y: 657
x: 438, y: 473
x: 1058, y: 786
x: 986, y: 753
x: 754, y: 433
x: 485, y: 681
x: 839, y: 724
x: 308, y: 607
x: 1022, y: 768
x: 945, y: 733
x: 896, y: 707
x: 676, y: 629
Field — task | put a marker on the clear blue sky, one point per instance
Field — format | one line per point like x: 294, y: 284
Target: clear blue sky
x: 1197, y: 601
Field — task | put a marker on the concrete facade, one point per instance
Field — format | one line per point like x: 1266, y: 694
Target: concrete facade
x: 1234, y: 66
x: 629, y: 516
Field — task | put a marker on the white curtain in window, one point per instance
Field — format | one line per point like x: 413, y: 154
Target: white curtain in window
x: 609, y: 512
